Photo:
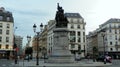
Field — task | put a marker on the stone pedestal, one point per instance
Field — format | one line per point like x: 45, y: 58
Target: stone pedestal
x: 60, y: 49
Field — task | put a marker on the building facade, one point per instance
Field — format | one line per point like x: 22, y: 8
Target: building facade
x: 51, y: 27
x: 92, y: 44
x: 6, y: 33
x: 77, y: 38
x: 19, y: 41
x: 111, y: 37
x: 108, y: 38
x: 34, y: 46
x: 43, y: 41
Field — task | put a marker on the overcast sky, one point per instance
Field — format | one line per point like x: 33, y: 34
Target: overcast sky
x: 28, y: 12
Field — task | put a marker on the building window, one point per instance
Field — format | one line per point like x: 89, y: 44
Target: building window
x: 72, y: 39
x: 7, y: 39
x: 79, y: 34
x: 0, y: 46
x: 83, y: 33
x: 72, y: 36
x: 115, y: 37
x: 110, y: 37
x: 8, y: 18
x: 72, y: 33
x: 0, y: 25
x: 119, y: 26
x: 111, y: 49
x: 78, y: 26
x: 72, y: 26
x: 79, y: 39
x: 0, y: 31
x: 78, y: 20
x: 110, y: 30
x: 72, y: 46
x: 8, y: 25
x: 116, y: 43
x: 71, y: 20
x: 110, y: 26
x: 115, y: 31
x: 0, y: 39
x: 7, y: 32
x: 83, y: 27
x: 7, y: 46
x: 1, y: 18
x: 83, y: 39
x: 110, y: 43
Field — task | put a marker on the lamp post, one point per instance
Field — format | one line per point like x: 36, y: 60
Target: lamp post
x: 15, y: 52
x: 15, y: 47
x: 28, y: 38
x: 38, y: 33
x: 103, y: 35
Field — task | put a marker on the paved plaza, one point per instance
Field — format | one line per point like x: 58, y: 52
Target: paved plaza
x: 32, y: 63
x: 83, y: 63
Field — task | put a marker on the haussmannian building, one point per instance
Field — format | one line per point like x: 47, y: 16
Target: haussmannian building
x: 77, y: 37
x: 19, y: 41
x: 108, y: 38
x: 34, y: 46
x: 43, y: 41
x: 92, y: 42
x: 6, y: 33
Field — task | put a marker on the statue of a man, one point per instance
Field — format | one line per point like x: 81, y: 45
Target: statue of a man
x: 60, y: 9
x: 60, y: 18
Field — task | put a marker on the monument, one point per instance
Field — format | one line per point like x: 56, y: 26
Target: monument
x: 60, y: 50
x: 61, y: 20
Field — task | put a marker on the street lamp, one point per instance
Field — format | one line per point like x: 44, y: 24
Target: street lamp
x: 103, y: 35
x: 38, y: 33
x: 28, y: 38
x: 15, y: 47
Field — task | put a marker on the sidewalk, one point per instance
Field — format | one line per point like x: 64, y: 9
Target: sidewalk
x: 83, y: 63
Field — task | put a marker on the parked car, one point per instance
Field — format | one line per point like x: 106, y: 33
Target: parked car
x: 102, y: 58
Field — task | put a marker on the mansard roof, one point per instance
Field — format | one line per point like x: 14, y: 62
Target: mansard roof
x: 73, y: 15
x: 112, y: 20
x: 4, y: 14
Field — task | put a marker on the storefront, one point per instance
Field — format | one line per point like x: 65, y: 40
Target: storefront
x: 114, y: 55
x: 4, y: 54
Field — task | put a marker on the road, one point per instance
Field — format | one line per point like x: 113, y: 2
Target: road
x: 10, y: 63
x: 6, y: 63
x: 115, y: 63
